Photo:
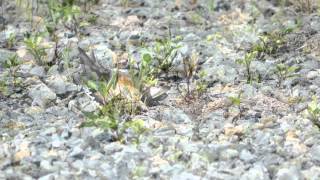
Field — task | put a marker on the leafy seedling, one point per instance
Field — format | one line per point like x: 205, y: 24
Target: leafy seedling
x: 284, y: 72
x: 246, y: 62
x: 314, y: 111
x: 11, y: 41
x: 236, y: 101
x: 34, y: 47
x: 190, y: 66
x: 165, y: 52
x: 201, y: 83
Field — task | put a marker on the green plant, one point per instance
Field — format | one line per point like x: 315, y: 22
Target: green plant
x: 270, y: 43
x: 304, y: 5
x: 236, y: 101
x: 12, y: 61
x: 314, y: 111
x: 66, y: 13
x: 34, y: 47
x: 211, y: 5
x: 3, y: 88
x: 190, y: 66
x: 144, y: 75
x: 246, y: 62
x: 164, y: 53
x: 201, y: 83
x: 284, y: 71
x: 11, y: 41
x: 124, y: 3
x: 8, y: 78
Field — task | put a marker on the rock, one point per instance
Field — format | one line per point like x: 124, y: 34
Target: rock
x: 77, y: 152
x: 37, y: 71
x: 5, y: 54
x: 185, y: 176
x: 56, y: 141
x: 47, y: 165
x: 221, y: 73
x: 312, y: 75
x: 258, y: 172
x: 23, y: 152
x: 104, y: 56
x: 229, y: 130
x: 41, y: 95
x: 60, y: 85
x: 312, y: 173
x: 291, y: 173
x: 106, y: 171
x: 24, y: 70
x: 48, y: 177
x: 315, y: 153
x: 247, y: 156
x: 228, y: 154
x: 87, y: 105
x: 176, y: 115
x: 212, y: 152
x: 248, y: 91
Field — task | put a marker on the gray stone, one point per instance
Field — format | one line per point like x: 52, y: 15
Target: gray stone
x: 221, y: 73
x: 47, y: 165
x: 5, y: 54
x: 315, y: 153
x: 48, y: 177
x: 60, y: 85
x: 176, y: 115
x: 87, y: 105
x: 258, y: 172
x: 77, y: 152
x: 185, y: 176
x: 24, y: 70
x: 228, y: 154
x: 312, y: 75
x: 41, y: 95
x: 104, y: 55
x: 291, y: 173
x: 248, y: 90
x: 247, y: 156
x: 37, y: 71
x: 312, y: 173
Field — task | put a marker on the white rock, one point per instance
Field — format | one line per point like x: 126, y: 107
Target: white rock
x: 41, y: 95
x: 257, y: 172
x: 291, y: 173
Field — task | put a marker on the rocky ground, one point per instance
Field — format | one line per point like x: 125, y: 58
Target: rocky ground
x: 269, y: 136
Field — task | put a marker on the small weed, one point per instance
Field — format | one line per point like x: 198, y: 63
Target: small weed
x: 284, y: 72
x: 34, y: 47
x: 164, y: 53
x: 144, y: 75
x: 306, y: 6
x: 270, y: 43
x: 115, y: 108
x: 201, y: 83
x: 237, y: 101
x: 314, y: 111
x: 11, y: 41
x: 3, y: 88
x: 66, y: 13
x: 246, y: 62
x: 190, y: 66
x: 12, y: 61
x: 124, y: 3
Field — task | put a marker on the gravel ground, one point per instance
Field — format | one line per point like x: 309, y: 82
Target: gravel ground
x: 270, y: 136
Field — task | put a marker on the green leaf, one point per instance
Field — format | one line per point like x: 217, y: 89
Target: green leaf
x: 92, y: 85
x: 147, y: 58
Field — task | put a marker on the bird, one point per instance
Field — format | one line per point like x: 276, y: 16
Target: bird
x: 190, y: 3
x: 124, y: 82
